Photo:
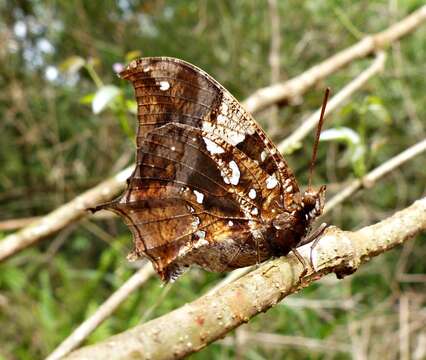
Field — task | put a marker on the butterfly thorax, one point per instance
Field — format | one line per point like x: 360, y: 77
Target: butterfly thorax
x: 291, y: 227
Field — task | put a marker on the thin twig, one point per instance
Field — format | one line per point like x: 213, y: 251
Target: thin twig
x: 335, y: 102
x: 404, y: 311
x: 269, y: 339
x: 347, y: 304
x: 195, y: 325
x: 295, y: 87
x: 64, y: 215
x: 102, y: 313
x: 13, y: 224
x: 373, y: 176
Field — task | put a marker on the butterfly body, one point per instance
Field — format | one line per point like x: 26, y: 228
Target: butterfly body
x: 209, y: 187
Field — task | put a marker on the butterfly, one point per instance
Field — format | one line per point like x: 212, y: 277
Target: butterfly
x: 209, y: 187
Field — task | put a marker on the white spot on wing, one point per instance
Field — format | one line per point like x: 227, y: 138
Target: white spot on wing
x: 235, y: 177
x: 271, y: 182
x: 201, y: 234
x: 200, y: 196
x: 255, y: 211
x: 289, y: 189
x: 235, y: 138
x: 263, y: 155
x: 212, y: 147
x: 230, y: 223
x: 251, y: 130
x: 173, y: 148
x: 196, y: 222
x: 222, y: 119
x: 201, y: 242
x: 230, y: 136
x: 225, y: 178
x: 164, y: 85
x: 252, y: 194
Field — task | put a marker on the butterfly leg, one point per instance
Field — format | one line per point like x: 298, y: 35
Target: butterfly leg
x: 314, y: 238
x: 302, y: 261
x: 105, y: 206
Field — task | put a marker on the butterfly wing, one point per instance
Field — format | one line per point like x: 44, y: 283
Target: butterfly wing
x: 207, y: 178
x: 170, y: 90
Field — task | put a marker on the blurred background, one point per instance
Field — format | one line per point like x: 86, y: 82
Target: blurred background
x: 67, y: 123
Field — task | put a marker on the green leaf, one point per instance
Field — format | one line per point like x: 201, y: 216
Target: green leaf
x: 133, y: 55
x: 356, y: 147
x: 132, y: 106
x: 342, y: 134
x: 87, y: 99
x: 72, y: 65
x: 103, y: 97
x: 380, y: 112
x: 13, y: 278
x: 46, y: 302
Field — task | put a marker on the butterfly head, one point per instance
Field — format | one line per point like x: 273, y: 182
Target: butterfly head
x: 313, y: 203
x: 291, y: 227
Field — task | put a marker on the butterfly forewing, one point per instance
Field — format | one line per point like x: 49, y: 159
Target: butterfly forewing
x: 170, y: 90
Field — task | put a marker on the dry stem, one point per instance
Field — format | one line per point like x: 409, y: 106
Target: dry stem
x: 293, y: 88
x: 64, y: 215
x: 102, y: 313
x: 335, y: 102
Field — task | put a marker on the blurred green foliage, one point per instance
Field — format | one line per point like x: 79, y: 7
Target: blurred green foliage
x: 68, y: 122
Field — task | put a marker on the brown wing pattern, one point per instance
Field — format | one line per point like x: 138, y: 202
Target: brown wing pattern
x: 170, y: 90
x: 206, y: 173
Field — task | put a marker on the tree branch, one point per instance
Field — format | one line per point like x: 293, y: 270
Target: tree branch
x: 371, y: 178
x: 64, y: 215
x: 297, y: 86
x: 195, y: 325
x: 102, y: 313
x: 335, y: 102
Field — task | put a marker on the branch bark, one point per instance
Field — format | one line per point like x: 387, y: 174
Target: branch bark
x: 195, y: 325
x: 297, y: 86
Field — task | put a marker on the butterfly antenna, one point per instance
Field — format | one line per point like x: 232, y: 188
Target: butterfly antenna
x: 317, y: 137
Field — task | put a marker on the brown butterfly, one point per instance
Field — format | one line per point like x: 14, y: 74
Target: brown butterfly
x: 209, y: 187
